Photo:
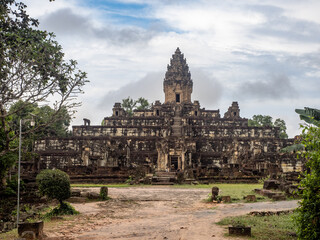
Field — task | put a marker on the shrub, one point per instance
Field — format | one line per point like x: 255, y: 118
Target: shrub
x: 308, y: 218
x: 55, y: 184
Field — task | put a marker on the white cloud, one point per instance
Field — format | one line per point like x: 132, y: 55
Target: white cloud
x: 228, y: 44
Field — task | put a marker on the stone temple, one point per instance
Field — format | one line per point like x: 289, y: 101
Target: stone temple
x: 174, y: 136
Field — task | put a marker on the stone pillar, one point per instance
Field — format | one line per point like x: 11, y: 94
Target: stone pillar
x: 183, y: 161
x: 85, y: 156
x: 179, y: 162
x: 166, y: 162
x: 159, y: 160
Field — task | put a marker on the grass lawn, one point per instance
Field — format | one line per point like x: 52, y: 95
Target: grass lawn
x: 265, y: 228
x: 235, y: 191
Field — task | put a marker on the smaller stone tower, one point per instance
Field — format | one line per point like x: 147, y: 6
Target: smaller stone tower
x: 177, y: 84
x: 117, y: 110
x: 233, y: 111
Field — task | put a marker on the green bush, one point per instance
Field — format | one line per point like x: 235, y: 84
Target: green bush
x: 308, y: 218
x: 55, y: 184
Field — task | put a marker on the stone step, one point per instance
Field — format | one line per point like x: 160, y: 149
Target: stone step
x: 162, y: 178
x: 162, y: 183
x: 166, y: 174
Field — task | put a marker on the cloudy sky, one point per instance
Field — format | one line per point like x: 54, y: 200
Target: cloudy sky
x: 263, y: 55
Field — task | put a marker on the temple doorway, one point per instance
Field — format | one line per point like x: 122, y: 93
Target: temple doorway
x: 174, y: 163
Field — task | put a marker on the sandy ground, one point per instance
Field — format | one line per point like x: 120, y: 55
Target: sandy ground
x: 154, y: 213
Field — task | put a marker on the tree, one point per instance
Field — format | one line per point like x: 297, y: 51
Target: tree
x: 32, y: 69
x: 308, y: 218
x: 143, y: 104
x: 260, y: 121
x: 42, y: 114
x: 8, y: 159
x: 264, y: 121
x: 129, y: 104
x: 281, y: 124
x: 55, y: 184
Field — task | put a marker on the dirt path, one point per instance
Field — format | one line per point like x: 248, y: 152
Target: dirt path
x: 154, y: 213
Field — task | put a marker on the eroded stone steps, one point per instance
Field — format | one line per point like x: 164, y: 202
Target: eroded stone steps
x: 164, y: 178
x: 176, y: 127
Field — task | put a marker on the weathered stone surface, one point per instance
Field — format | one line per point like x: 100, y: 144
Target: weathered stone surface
x: 215, y: 193
x: 239, y: 231
x: 175, y: 136
x: 251, y: 198
x: 104, y: 193
x: 271, y: 184
x: 258, y: 191
x: 77, y: 199
x: 279, y: 197
x: 270, y: 213
x: 226, y: 199
x: 75, y: 193
x: 36, y: 227
x: 28, y: 235
x: 93, y: 195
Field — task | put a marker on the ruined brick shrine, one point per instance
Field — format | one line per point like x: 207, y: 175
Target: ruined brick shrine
x: 174, y: 136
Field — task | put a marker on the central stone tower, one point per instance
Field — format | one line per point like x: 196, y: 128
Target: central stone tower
x: 177, y: 84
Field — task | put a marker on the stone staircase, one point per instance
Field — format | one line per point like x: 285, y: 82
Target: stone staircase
x: 177, y: 127
x: 164, y: 178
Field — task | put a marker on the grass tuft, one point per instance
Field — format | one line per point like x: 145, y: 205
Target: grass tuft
x: 275, y: 227
x: 62, y: 209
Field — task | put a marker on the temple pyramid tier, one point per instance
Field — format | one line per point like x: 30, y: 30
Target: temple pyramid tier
x: 175, y: 136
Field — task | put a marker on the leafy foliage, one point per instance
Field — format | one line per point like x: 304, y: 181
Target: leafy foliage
x: 310, y: 115
x: 55, y: 184
x: 260, y: 121
x: 32, y: 70
x: 293, y: 148
x: 264, y: 121
x: 57, y: 128
x: 129, y: 104
x: 308, y: 218
x: 9, y: 158
x: 142, y: 104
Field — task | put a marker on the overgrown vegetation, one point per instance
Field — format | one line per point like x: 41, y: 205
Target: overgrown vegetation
x: 63, y: 208
x: 308, y: 213
x: 265, y: 120
x: 104, y: 193
x: 267, y: 227
x: 32, y: 71
x: 140, y: 104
